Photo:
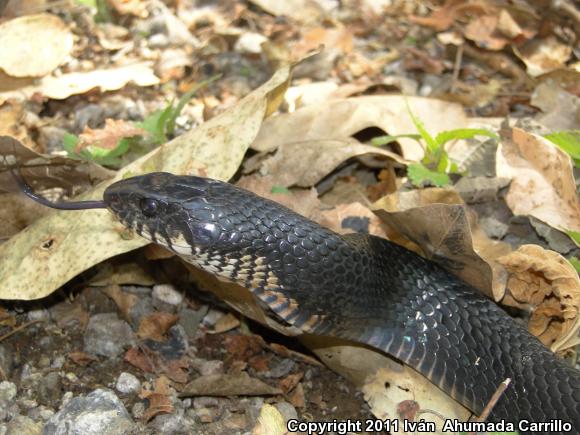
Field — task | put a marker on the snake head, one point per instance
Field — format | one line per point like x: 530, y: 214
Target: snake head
x: 174, y: 211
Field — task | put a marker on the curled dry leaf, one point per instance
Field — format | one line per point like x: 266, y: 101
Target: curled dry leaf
x: 156, y: 325
x: 442, y: 18
x: 447, y: 232
x: 542, y: 184
x: 124, y: 301
x: 270, y: 422
x: 34, y: 45
x: 306, y: 163
x: 36, y: 262
x: 549, y: 283
x: 59, y: 88
x: 159, y: 399
x: 340, y: 119
x: 543, y: 55
x: 235, y: 384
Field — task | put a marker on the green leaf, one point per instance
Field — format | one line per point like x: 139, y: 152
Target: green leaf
x: 432, y: 146
x: 463, y: 133
x: 569, y: 142
x: 154, y: 124
x: 69, y: 142
x: 419, y: 174
x: 279, y: 189
x: 574, y: 235
x: 385, y: 140
x: 575, y: 262
x: 170, y: 127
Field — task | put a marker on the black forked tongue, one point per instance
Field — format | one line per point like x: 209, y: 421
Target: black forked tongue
x: 74, y: 205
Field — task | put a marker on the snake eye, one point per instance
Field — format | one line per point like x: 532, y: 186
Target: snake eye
x: 149, y: 206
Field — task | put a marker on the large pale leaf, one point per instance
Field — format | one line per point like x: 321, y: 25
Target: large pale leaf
x: 542, y: 184
x: 340, y: 119
x: 58, y: 247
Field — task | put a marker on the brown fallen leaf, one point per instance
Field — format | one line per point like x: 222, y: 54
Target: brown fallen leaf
x: 543, y: 55
x: 542, y: 184
x: 81, y: 358
x: 124, y: 301
x: 156, y: 325
x: 109, y: 136
x: 304, y: 164
x: 243, y: 347
x: 122, y: 271
x: 442, y: 18
x: 153, y: 362
x: 290, y: 382
x: 225, y: 323
x: 297, y: 397
x: 548, y: 282
x: 159, y: 399
x: 438, y: 221
x: 238, y: 384
x: 34, y: 45
x: 483, y: 31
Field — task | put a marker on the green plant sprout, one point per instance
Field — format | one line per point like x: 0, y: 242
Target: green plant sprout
x: 160, y: 126
x: 569, y: 142
x: 435, y: 166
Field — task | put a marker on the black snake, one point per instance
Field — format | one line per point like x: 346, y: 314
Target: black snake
x: 356, y: 286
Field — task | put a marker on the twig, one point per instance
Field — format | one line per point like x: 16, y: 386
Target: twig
x: 492, y: 402
x: 456, y: 67
x: 19, y: 328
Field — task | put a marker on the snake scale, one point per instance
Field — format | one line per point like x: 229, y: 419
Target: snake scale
x: 356, y: 286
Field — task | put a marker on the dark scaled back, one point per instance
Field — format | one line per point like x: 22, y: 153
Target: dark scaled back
x: 358, y: 287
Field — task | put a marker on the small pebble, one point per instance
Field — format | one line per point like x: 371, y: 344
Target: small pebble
x: 138, y: 410
x: 128, y: 383
x: 213, y: 367
x: 38, y: 314
x: 107, y: 335
x: 167, y: 293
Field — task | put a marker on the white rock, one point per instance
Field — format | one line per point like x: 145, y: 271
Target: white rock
x: 250, y: 43
x: 167, y: 293
x: 128, y: 383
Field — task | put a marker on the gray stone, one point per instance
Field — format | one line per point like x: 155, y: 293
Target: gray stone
x: 8, y: 407
x: 22, y: 425
x: 287, y: 410
x: 49, y: 388
x: 191, y: 319
x: 280, y: 369
x: 107, y: 335
x: 128, y: 383
x: 171, y: 423
x: 100, y: 412
x: 493, y: 228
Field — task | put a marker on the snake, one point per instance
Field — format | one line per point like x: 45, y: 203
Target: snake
x: 357, y: 287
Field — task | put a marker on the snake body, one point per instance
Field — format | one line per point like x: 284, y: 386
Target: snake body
x: 358, y: 287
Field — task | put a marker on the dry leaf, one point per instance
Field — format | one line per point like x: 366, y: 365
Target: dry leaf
x: 124, y: 301
x: 547, y: 281
x: 439, y: 222
x: 306, y: 163
x: 137, y: 8
x: 159, y: 399
x: 340, y: 119
x: 156, y: 325
x: 36, y: 262
x: 225, y: 323
x: 303, y: 11
x: 543, y: 55
x: 81, y: 358
x: 237, y: 384
x: 59, y: 88
x: 270, y: 422
x: 443, y: 17
x: 483, y: 31
x: 542, y: 184
x: 109, y: 136
x: 153, y: 362
x: 34, y: 45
